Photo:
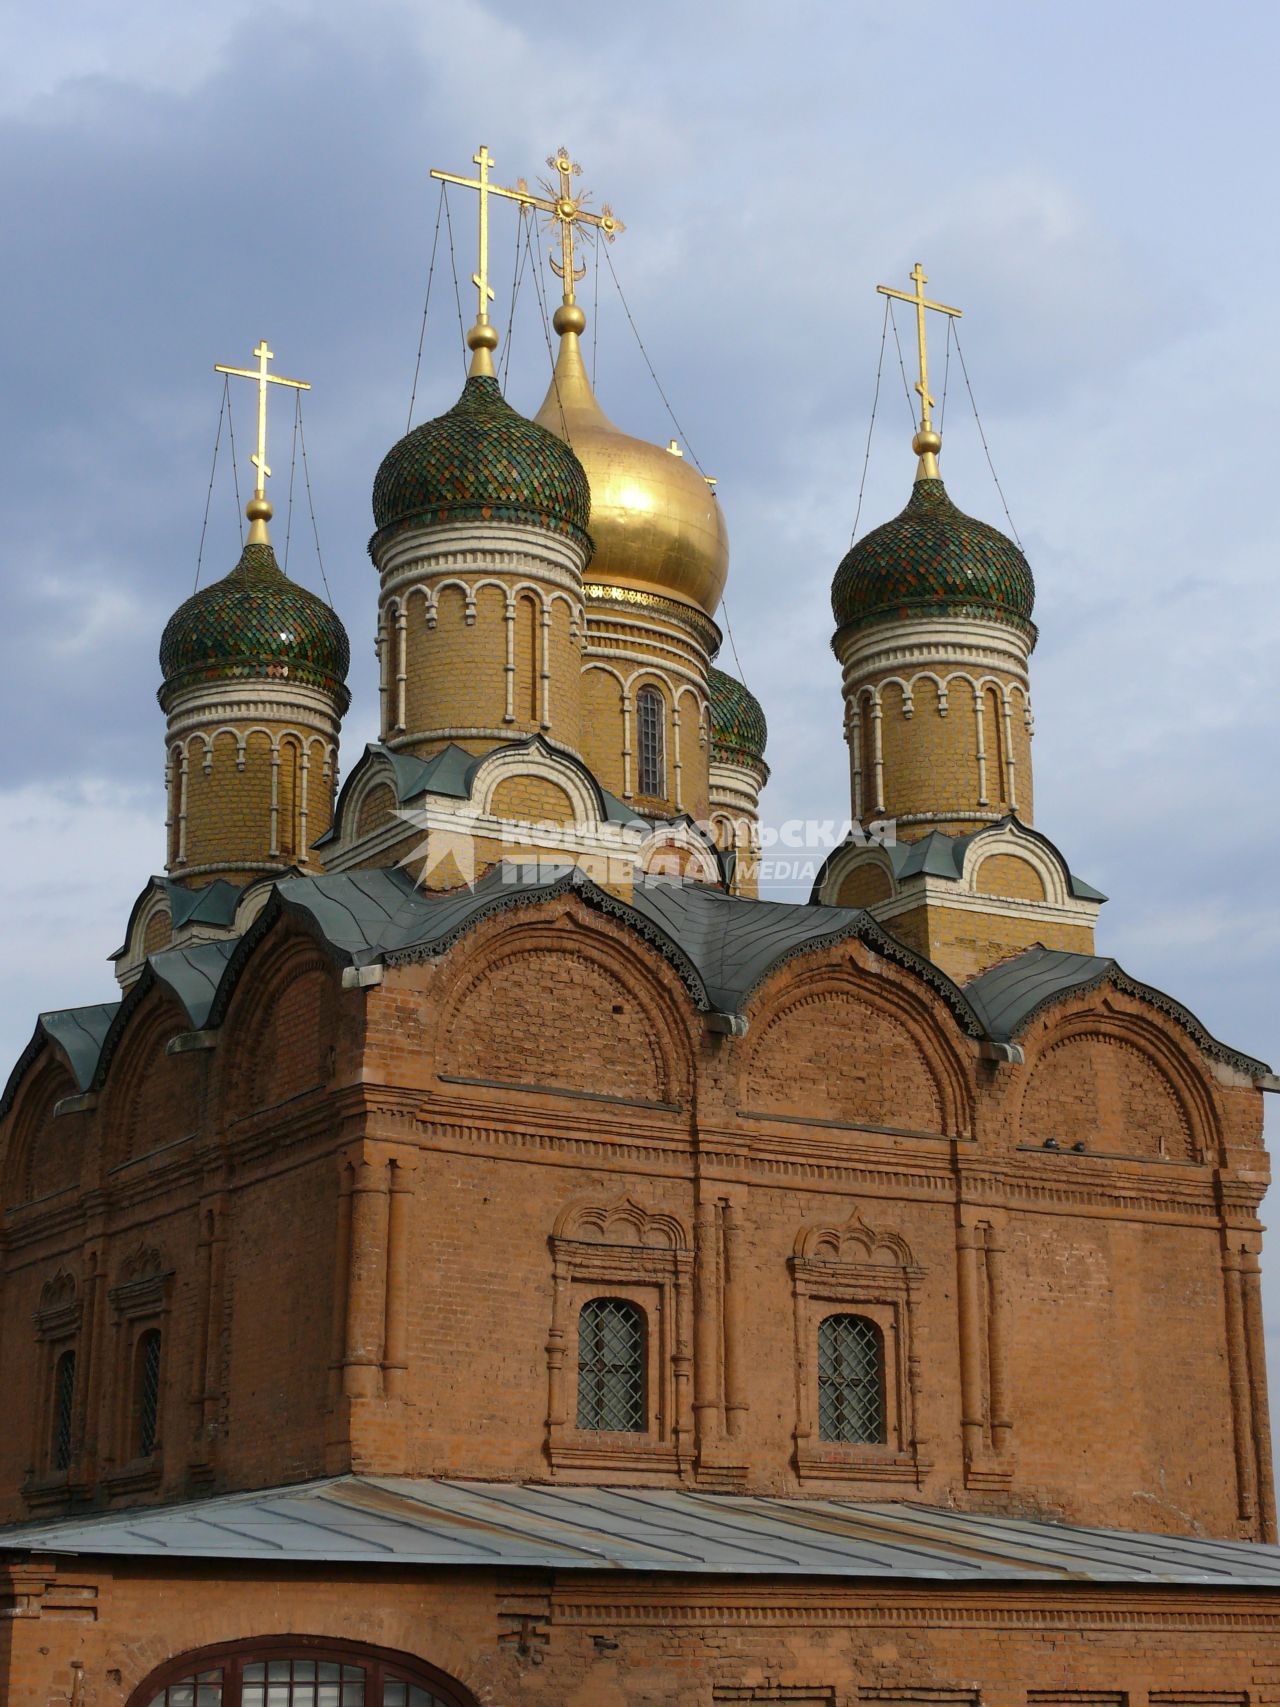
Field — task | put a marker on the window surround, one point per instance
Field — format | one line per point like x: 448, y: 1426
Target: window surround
x: 58, y: 1321
x: 855, y: 1270
x: 651, y: 729
x: 620, y: 1250
x: 232, y: 1657
x: 139, y: 1304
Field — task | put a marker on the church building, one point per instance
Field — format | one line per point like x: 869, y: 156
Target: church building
x: 491, y: 1254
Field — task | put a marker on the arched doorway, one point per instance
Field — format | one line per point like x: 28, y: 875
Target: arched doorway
x: 297, y: 1671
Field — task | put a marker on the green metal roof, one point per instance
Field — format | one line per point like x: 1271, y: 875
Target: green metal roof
x: 933, y: 558
x: 738, y: 727
x: 481, y: 461
x: 255, y: 624
x: 1009, y: 996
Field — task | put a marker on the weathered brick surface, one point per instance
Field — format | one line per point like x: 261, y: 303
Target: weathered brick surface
x: 354, y: 1204
x: 585, y: 1641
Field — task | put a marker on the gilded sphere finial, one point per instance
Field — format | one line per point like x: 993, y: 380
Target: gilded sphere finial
x: 482, y: 336
x: 927, y: 442
x: 258, y: 510
x: 569, y: 318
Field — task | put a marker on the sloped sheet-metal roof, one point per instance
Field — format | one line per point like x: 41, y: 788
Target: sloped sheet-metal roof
x: 392, y: 1521
x: 722, y: 945
x: 1009, y: 996
x: 80, y: 1032
x: 193, y: 974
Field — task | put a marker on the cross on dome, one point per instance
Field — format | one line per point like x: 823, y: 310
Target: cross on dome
x: 258, y: 510
x: 926, y: 443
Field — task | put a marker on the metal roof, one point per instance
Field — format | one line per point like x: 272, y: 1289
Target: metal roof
x: 80, y: 1032
x: 193, y: 974
x: 365, y: 1520
x: 1010, y: 995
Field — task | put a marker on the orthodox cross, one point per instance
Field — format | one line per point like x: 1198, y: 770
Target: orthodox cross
x: 921, y: 302
x: 481, y: 184
x: 264, y: 379
x: 558, y: 202
x: 569, y: 210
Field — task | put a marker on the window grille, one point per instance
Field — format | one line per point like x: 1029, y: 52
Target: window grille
x: 201, y: 1689
x: 611, y: 1385
x: 275, y: 1674
x: 650, y: 718
x: 303, y: 1683
x: 850, y: 1380
x: 64, y: 1392
x: 147, y: 1392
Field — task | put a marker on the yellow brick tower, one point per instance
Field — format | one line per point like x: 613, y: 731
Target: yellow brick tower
x: 254, y: 691
x: 934, y: 636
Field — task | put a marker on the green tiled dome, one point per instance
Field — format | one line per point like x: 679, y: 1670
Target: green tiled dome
x: 738, y: 728
x: 256, y: 623
x: 933, y: 558
x: 481, y: 460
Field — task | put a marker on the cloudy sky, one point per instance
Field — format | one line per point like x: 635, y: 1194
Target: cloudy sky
x: 1091, y: 183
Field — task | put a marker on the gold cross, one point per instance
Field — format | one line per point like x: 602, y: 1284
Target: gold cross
x: 259, y: 458
x: 479, y: 279
x: 921, y: 303
x: 559, y: 202
x: 568, y: 209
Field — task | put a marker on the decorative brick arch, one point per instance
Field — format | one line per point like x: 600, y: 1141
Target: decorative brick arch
x: 275, y: 1033
x: 149, y: 1097
x: 1118, y: 1081
x: 380, y: 1665
x: 513, y: 995
x: 830, y: 1039
x: 42, y: 1154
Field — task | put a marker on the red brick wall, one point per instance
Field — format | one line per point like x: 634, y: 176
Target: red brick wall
x: 363, y: 1251
x: 594, y: 1641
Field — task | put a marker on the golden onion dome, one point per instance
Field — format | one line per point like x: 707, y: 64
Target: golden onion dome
x: 655, y: 521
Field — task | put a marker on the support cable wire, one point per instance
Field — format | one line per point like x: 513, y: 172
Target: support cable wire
x: 546, y: 332
x: 871, y: 424
x: 902, y: 367
x: 517, y: 275
x: 208, y: 497
x: 595, y: 310
x: 422, y: 335
x: 235, y: 464
x: 990, y: 464
x: 457, y: 294
x: 306, y: 474
x: 733, y: 645
x: 653, y: 375
x: 946, y: 375
x: 293, y: 463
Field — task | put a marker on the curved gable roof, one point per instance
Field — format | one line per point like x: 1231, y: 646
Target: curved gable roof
x: 1009, y: 996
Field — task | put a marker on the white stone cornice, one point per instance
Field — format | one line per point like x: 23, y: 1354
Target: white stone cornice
x: 469, y: 547
x: 284, y: 701
x: 950, y: 643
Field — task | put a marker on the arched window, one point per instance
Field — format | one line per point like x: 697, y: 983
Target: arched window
x: 146, y: 1393
x: 64, y: 1393
x: 611, y: 1383
x: 850, y: 1380
x: 651, y: 717
x: 298, y: 1671
x: 289, y: 775
x: 997, y: 759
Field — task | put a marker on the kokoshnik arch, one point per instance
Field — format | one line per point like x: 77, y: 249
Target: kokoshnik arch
x: 488, y: 1254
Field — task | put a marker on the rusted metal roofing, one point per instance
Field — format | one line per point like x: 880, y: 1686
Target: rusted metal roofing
x: 392, y: 1521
